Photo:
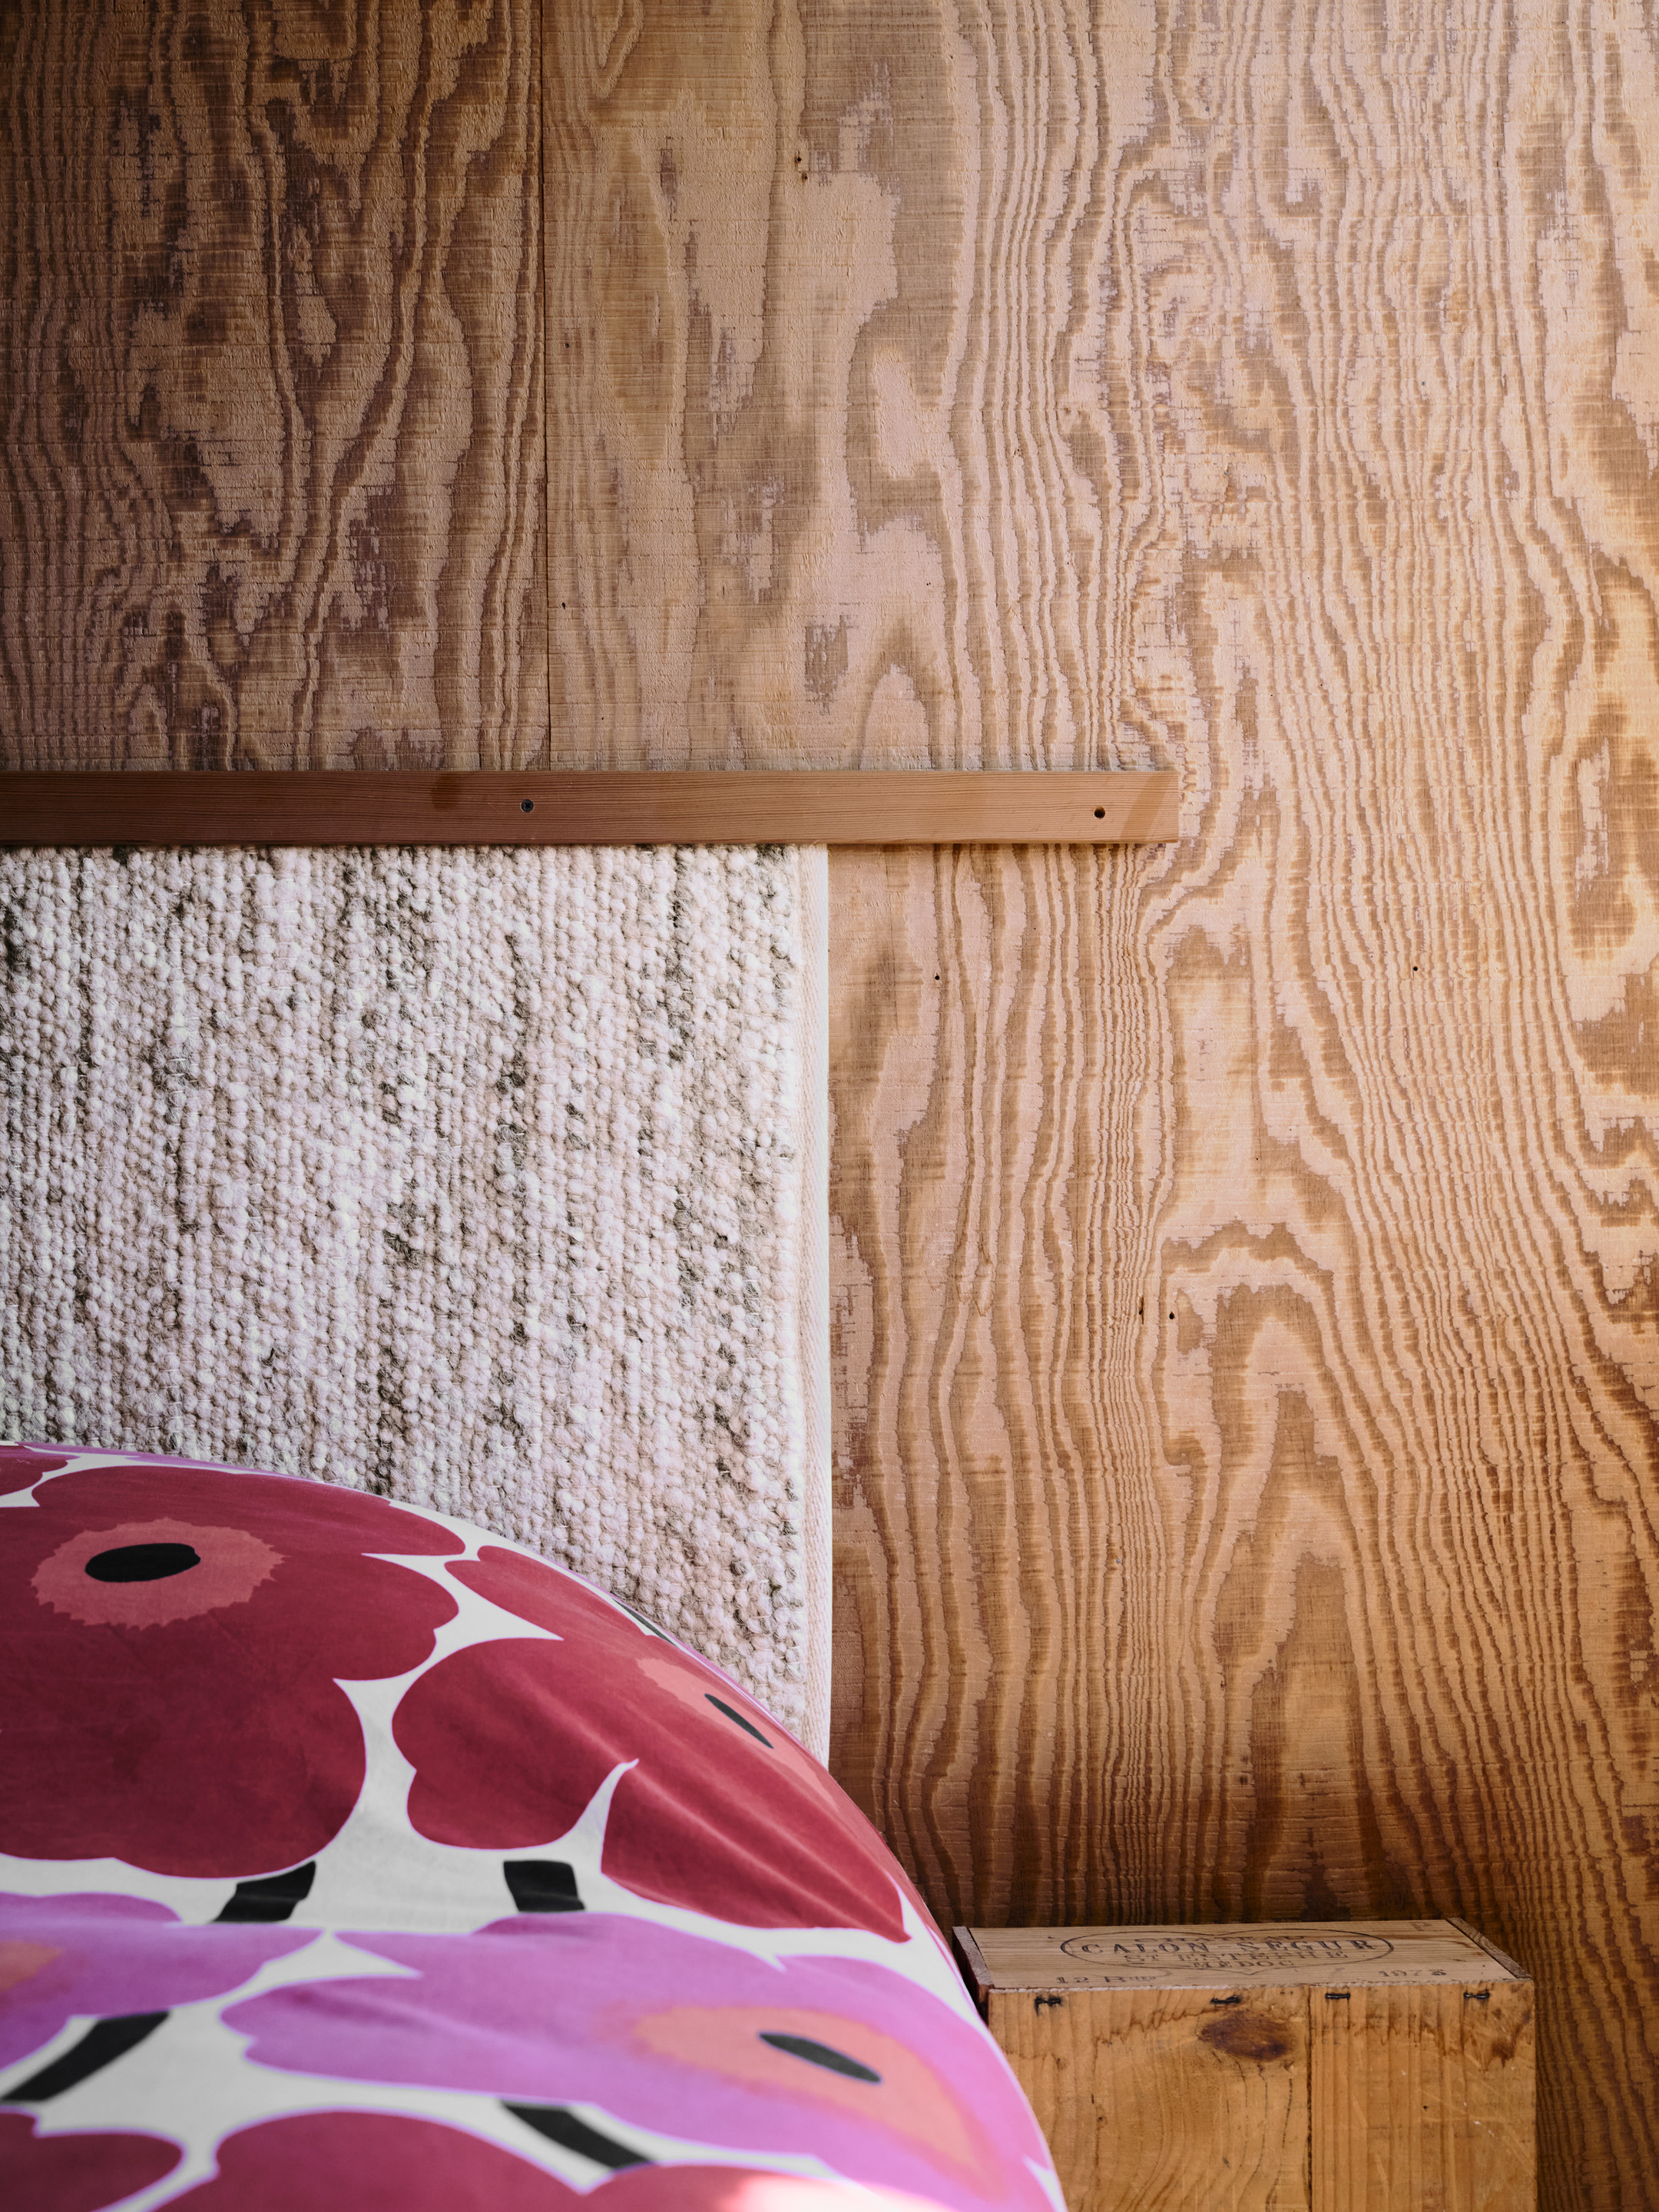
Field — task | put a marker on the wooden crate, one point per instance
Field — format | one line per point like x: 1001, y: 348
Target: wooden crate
x: 1282, y: 2066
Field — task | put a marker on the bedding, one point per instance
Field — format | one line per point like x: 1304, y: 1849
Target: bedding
x: 351, y: 1856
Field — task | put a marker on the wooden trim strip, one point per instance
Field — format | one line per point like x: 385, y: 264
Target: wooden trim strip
x: 745, y: 806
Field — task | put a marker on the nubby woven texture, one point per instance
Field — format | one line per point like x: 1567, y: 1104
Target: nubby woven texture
x: 488, y: 1180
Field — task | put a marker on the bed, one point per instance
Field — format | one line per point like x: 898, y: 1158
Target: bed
x: 354, y: 1858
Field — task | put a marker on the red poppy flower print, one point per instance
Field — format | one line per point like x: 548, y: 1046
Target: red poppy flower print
x: 724, y: 1814
x: 374, y: 2162
x: 22, y: 1466
x: 383, y: 2162
x: 78, y: 2171
x: 742, y: 2188
x: 171, y: 1641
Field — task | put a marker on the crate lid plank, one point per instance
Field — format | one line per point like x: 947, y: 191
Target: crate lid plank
x: 1257, y: 1954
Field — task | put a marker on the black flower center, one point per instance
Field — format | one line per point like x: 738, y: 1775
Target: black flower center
x: 821, y: 2054
x: 143, y: 1563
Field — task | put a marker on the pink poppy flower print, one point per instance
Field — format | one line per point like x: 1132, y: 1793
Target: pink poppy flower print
x: 114, y: 1957
x: 172, y: 1637
x: 724, y: 1813
x: 838, y: 2058
x: 81, y: 2171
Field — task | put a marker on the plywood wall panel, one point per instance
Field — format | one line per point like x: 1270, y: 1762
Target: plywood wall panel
x: 272, y: 469
x: 817, y: 493
x: 1248, y: 1255
x: 1247, y: 1324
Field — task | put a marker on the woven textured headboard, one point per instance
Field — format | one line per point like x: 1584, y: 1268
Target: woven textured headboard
x: 489, y: 1179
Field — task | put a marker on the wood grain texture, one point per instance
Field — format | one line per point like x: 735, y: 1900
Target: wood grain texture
x: 1422, y: 2097
x: 1390, y: 2070
x: 1234, y: 1957
x: 587, y: 807
x: 271, y: 461
x: 814, y: 491
x: 1248, y: 1298
x: 1168, y: 2097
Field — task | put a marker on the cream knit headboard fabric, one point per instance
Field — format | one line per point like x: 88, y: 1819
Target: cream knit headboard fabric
x: 489, y: 1179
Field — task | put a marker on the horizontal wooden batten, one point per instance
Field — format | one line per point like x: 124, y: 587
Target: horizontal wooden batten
x: 738, y: 807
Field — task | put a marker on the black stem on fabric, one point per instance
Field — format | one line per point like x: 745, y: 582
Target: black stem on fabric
x: 651, y: 1627
x: 543, y: 1885
x: 272, y: 1897
x: 748, y: 1728
x: 563, y: 2127
x: 104, y: 2042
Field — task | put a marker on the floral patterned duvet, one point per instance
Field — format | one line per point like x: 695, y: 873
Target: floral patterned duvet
x: 352, y: 1858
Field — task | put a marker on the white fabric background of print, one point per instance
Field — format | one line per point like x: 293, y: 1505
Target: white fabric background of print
x: 491, y: 1180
